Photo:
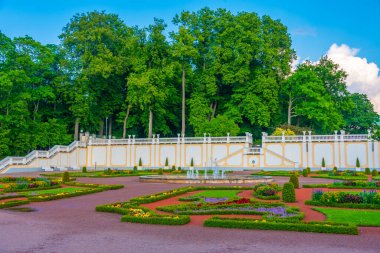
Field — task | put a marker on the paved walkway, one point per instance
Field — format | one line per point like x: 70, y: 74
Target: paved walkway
x: 72, y: 225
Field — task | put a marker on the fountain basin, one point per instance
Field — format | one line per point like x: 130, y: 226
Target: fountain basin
x: 229, y: 179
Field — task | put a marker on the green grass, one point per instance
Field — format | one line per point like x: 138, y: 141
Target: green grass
x: 356, y: 217
x: 376, y: 178
x: 218, y: 193
x: 55, y: 191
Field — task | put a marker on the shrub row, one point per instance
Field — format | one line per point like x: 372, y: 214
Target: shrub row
x: 160, y: 219
x: 343, y: 205
x: 288, y: 225
x: 103, y: 186
x: 33, y: 189
x: 12, y: 203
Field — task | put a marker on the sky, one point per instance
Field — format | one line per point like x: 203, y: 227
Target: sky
x: 347, y: 31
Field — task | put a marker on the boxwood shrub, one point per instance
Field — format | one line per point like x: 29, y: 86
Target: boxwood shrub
x: 288, y: 193
x: 12, y: 203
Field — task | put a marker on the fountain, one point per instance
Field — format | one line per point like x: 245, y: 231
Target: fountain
x: 218, y: 176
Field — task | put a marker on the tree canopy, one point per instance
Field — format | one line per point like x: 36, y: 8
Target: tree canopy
x: 215, y: 73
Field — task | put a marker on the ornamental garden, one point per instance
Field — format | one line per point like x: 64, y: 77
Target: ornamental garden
x: 351, y: 200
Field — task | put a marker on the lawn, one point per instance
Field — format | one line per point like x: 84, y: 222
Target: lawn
x: 356, y: 217
x: 218, y: 193
x: 55, y: 191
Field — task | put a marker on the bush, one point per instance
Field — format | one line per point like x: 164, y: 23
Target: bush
x: 179, y: 168
x: 173, y: 168
x: 323, y: 163
x: 192, y: 162
x: 160, y: 172
x: 65, y: 177
x: 308, y: 170
x: 375, y: 173
x: 108, y: 171
x: 367, y: 171
x: 305, y: 173
x: 84, y: 169
x: 288, y: 193
x: 140, y: 162
x: 294, y: 180
x: 335, y: 169
x: 357, y: 163
x: 134, y: 169
x: 166, y: 162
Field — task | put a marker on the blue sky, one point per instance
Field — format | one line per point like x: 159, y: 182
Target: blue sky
x: 314, y: 25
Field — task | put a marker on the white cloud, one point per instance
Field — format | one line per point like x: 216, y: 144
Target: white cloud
x: 363, y: 76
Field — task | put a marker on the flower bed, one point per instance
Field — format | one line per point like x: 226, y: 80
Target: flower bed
x: 342, y: 175
x: 266, y: 191
x: 365, y: 199
x: 17, y: 184
x: 346, y: 185
x: 288, y: 225
x: 136, y: 214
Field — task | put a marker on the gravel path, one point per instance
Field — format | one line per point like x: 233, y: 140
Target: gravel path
x: 72, y: 225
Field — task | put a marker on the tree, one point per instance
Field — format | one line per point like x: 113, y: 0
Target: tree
x: 184, y: 51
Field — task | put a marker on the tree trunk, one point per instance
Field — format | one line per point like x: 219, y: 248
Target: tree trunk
x: 290, y: 111
x: 110, y: 128
x: 76, y: 129
x: 125, y: 122
x: 183, y: 100
x: 150, y: 124
x: 214, y: 110
x: 101, y: 129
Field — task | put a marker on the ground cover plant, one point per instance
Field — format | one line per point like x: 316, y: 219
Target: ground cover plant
x: 364, y: 199
x: 355, y: 217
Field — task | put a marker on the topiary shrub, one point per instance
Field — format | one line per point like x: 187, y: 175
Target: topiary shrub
x: 323, y: 163
x: 335, y: 169
x: 375, y: 173
x: 108, y: 171
x: 65, y: 177
x: 192, y: 162
x: 166, y: 162
x: 288, y: 193
x: 367, y: 171
x: 134, y: 169
x: 294, y: 180
x: 308, y: 170
x: 160, y: 172
x: 305, y: 173
x: 173, y: 168
x: 179, y: 168
x: 357, y: 163
x: 84, y: 169
x: 140, y: 162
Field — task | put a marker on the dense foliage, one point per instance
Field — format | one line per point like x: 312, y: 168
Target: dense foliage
x: 217, y: 72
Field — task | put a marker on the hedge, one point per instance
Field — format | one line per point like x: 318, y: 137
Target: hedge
x: 287, y: 225
x: 103, y: 186
x: 64, y: 195
x: 343, y: 205
x: 161, y: 220
x: 274, y: 197
x: 13, y: 203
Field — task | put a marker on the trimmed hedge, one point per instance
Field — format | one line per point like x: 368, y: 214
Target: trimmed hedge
x: 160, y: 219
x: 332, y: 186
x: 286, y: 225
x: 103, y: 186
x: 12, y: 203
x: 294, y: 180
x: 41, y: 198
x: 274, y: 197
x: 343, y: 205
x: 288, y: 193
